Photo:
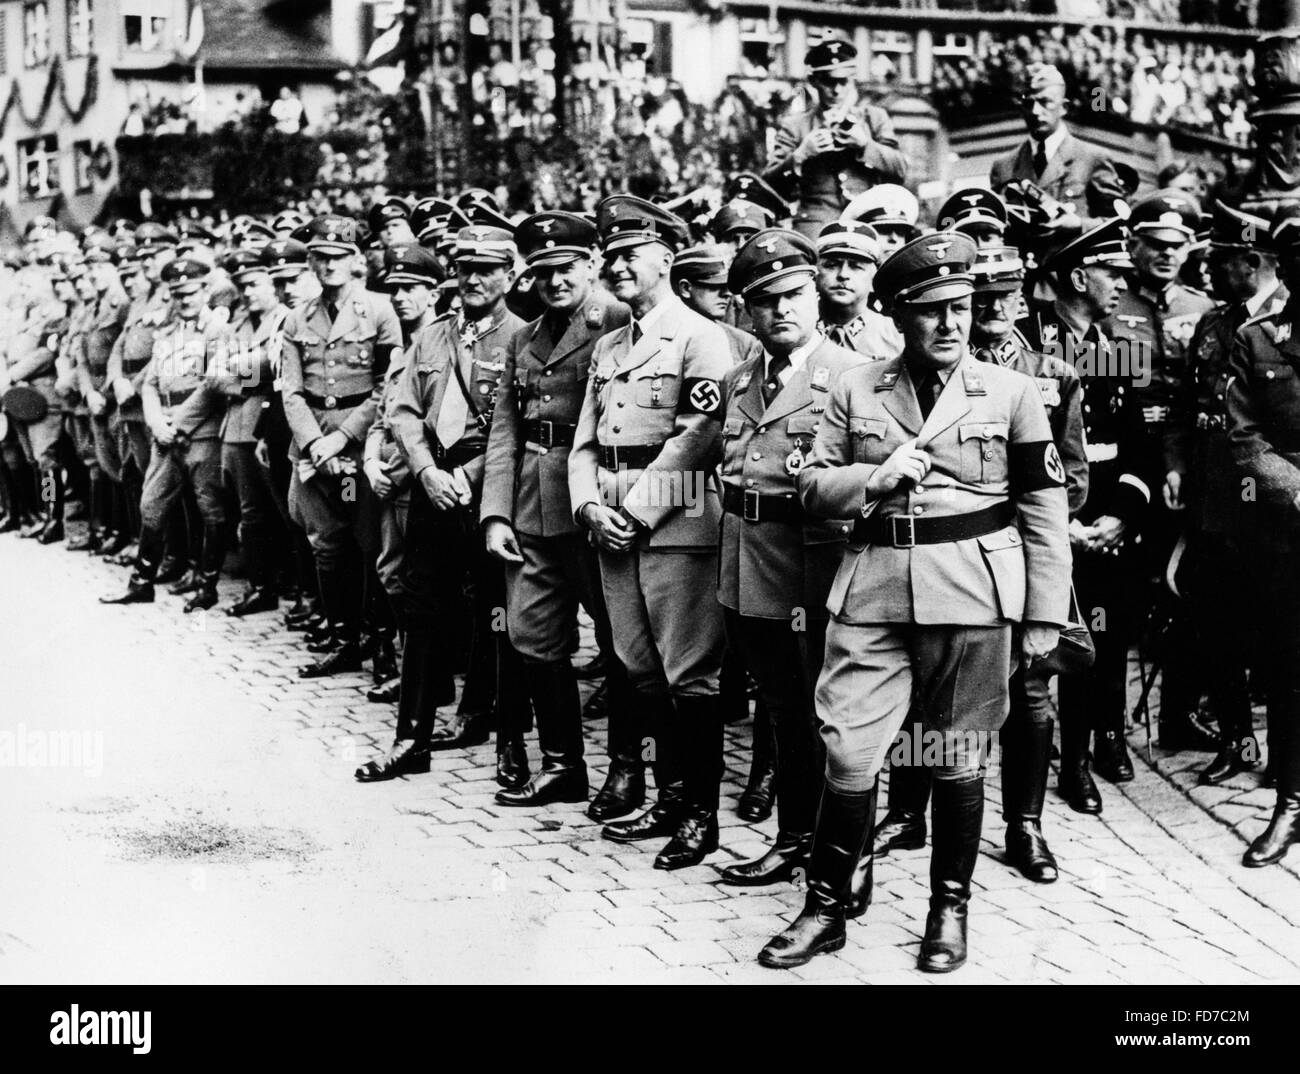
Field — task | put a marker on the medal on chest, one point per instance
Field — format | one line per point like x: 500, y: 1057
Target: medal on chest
x: 794, y: 462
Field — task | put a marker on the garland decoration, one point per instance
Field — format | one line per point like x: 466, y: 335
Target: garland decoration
x: 56, y: 80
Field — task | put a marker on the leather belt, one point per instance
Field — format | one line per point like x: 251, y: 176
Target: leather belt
x: 335, y: 402
x: 174, y: 398
x: 752, y: 506
x: 1213, y: 422
x: 549, y: 433
x: 629, y: 456
x: 456, y: 455
x: 907, y: 531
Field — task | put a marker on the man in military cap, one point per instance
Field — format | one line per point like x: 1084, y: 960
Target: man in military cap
x: 889, y: 208
x: 287, y: 221
x: 243, y: 375
x: 847, y: 257
x: 411, y: 275
x: 948, y: 466
x: 1222, y: 528
x: 981, y: 214
x: 429, y: 220
x: 1153, y: 321
x: 148, y: 310
x: 390, y: 222
x: 1026, y: 738
x: 737, y: 221
x: 187, y: 438
x: 84, y: 499
x: 441, y: 414
x: 777, y: 564
x: 642, y: 480
x: 109, y: 311
x: 528, y: 518
x: 335, y: 351
x: 829, y: 154
x: 1088, y: 277
x: 699, y: 279
x: 1263, y: 404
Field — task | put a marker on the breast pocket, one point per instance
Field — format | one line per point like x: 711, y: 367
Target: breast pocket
x: 658, y: 390
x: 358, y: 350
x: 983, y: 452
x: 1278, y: 383
x: 869, y: 439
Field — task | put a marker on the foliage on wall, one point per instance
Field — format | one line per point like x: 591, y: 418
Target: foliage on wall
x: 56, y: 80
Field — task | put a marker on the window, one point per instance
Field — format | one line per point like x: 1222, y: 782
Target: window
x: 38, y: 166
x: 83, y: 159
x: 144, y: 30
x: 81, y: 27
x: 36, y: 33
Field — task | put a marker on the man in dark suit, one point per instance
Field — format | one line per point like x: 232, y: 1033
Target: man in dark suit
x: 829, y: 154
x: 1079, y: 177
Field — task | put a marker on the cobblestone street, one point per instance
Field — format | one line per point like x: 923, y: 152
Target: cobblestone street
x: 219, y: 837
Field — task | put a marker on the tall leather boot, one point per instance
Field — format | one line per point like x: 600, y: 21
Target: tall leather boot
x: 260, y: 595
x: 140, y: 587
x: 700, y: 732
x: 1238, y: 749
x: 513, y: 716
x: 1026, y: 755
x: 52, y: 496
x: 37, y: 504
x: 211, y: 557
x: 417, y: 709
x: 909, y: 794
x: 96, y: 523
x: 843, y: 830
x: 119, y: 532
x: 1283, y: 832
x: 958, y: 816
x: 341, y: 613
x: 661, y: 820
x: 1284, y: 752
x: 755, y: 803
x: 553, y: 688
x: 624, y: 789
x: 862, y: 882
x: 1075, y: 782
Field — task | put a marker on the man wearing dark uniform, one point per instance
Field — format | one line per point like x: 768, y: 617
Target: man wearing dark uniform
x: 847, y: 257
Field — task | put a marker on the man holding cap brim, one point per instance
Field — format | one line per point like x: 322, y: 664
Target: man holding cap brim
x: 948, y: 468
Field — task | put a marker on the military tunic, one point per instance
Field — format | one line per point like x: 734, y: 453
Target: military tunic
x: 126, y: 366
x: 870, y: 334
x: 110, y: 312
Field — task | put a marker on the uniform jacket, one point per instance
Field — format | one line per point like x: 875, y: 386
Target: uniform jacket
x: 338, y: 361
x: 870, y: 334
x: 1120, y: 475
x: 1158, y: 326
x: 665, y: 392
x: 175, y: 379
x: 525, y: 483
x: 1263, y: 404
x: 744, y: 346
x: 826, y: 183
x: 68, y: 358
x: 134, y: 346
x: 97, y: 347
x: 381, y: 443
x: 35, y: 350
x: 989, y: 442
x: 429, y: 375
x: 768, y: 569
x: 246, y: 395
x: 1081, y: 178
x: 1196, y: 437
x: 1062, y: 394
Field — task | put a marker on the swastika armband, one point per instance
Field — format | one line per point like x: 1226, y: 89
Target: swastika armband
x: 702, y: 396
x: 1035, y: 465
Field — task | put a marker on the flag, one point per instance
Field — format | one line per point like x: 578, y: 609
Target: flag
x: 388, y: 49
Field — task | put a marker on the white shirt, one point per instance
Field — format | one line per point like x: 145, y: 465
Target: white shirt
x: 1052, y: 143
x: 647, y: 322
x: 1255, y: 302
x: 798, y: 357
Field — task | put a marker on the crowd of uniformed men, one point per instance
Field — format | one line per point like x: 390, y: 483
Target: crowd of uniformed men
x: 842, y: 463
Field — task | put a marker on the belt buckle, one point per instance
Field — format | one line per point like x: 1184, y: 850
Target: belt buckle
x: 545, y: 434
x: 749, y: 505
x: 908, y: 538
x: 331, y: 402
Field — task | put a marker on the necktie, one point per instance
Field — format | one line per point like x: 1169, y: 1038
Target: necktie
x: 836, y: 333
x: 637, y: 333
x: 1237, y: 315
x: 1040, y: 159
x: 927, y: 391
x: 772, y: 385
x: 455, y: 409
x: 332, y: 308
x: 558, y: 324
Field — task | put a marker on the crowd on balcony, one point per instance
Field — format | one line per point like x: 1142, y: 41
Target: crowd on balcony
x: 1197, y: 86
